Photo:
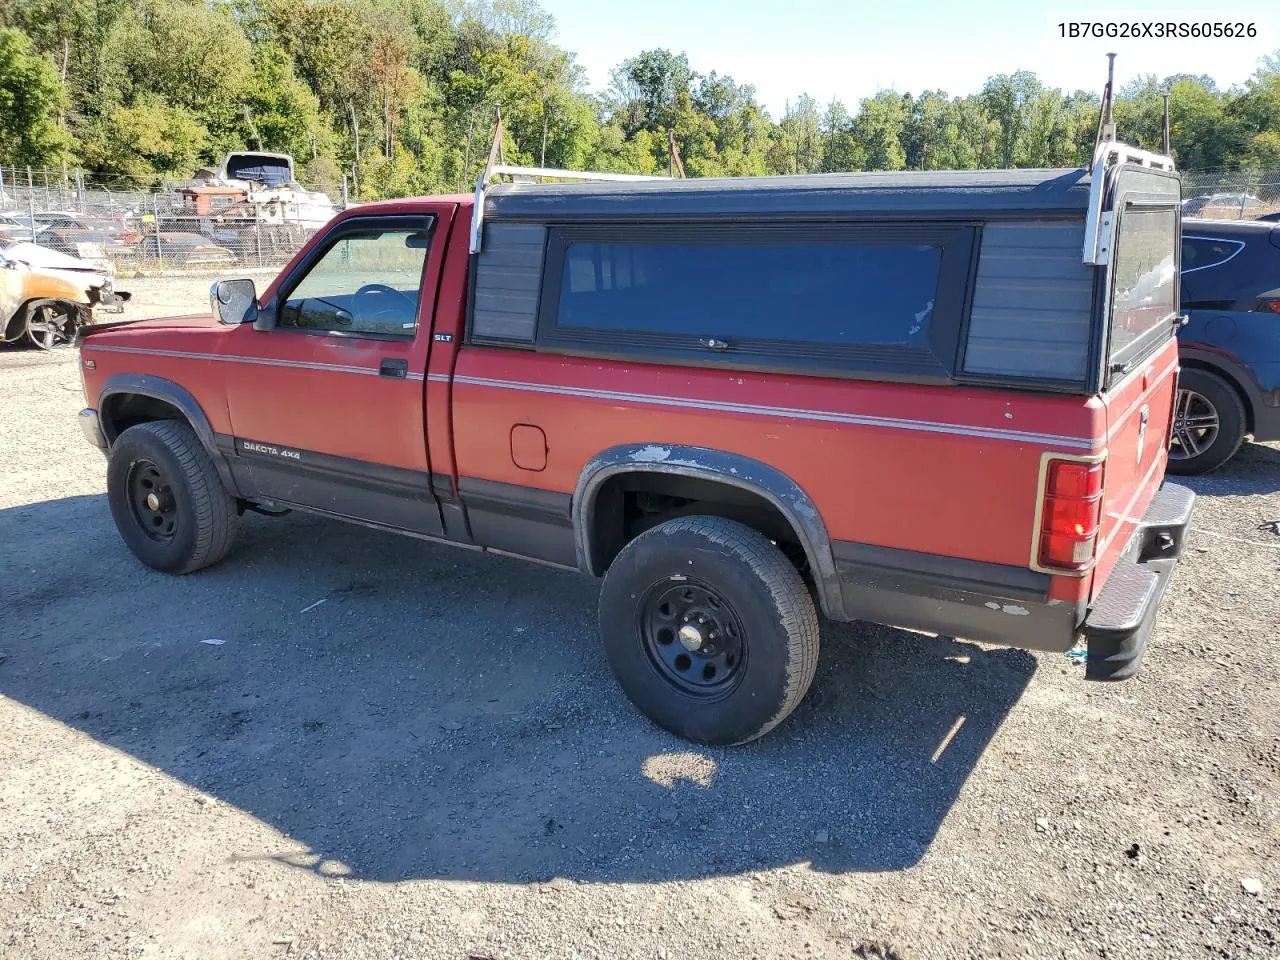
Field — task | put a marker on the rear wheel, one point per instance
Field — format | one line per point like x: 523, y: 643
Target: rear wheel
x: 709, y: 629
x: 167, y: 500
x: 1208, y: 423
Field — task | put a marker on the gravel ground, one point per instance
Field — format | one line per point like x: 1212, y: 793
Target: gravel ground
x: 396, y: 749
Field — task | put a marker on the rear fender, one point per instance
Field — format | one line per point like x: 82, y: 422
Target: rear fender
x: 715, y: 465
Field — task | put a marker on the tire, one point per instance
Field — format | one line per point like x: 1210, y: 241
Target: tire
x: 193, y: 520
x: 1203, y: 395
x: 746, y: 665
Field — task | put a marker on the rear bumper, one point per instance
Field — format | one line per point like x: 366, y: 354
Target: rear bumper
x: 1120, y: 622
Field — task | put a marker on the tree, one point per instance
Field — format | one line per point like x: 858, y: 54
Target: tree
x: 930, y: 138
x: 644, y: 91
x: 799, y: 137
x: 879, y: 128
x: 1008, y: 99
x: 31, y: 99
x: 840, y: 151
x: 147, y: 142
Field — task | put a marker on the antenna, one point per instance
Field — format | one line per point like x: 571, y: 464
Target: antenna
x: 1106, y: 120
x: 1109, y: 121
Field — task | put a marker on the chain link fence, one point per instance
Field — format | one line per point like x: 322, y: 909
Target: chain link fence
x: 1231, y: 195
x: 157, y: 227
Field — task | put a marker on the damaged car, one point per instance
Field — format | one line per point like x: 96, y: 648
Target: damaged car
x: 46, y: 296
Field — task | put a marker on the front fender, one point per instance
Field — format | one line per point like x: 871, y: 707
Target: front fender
x: 177, y: 396
x: 715, y: 465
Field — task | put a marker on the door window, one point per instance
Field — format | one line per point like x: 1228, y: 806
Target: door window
x: 367, y: 282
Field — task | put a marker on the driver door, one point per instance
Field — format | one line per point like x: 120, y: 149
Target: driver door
x: 327, y: 404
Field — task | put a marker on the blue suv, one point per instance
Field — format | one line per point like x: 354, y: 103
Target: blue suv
x: 1230, y: 348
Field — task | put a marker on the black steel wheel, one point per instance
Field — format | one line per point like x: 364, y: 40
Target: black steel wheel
x: 709, y: 629
x: 167, y: 499
x: 694, y: 637
x: 155, y: 508
x: 1208, y: 423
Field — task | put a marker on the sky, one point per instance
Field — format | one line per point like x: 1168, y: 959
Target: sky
x: 851, y: 50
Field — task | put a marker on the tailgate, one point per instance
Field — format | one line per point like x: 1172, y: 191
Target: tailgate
x: 1139, y: 412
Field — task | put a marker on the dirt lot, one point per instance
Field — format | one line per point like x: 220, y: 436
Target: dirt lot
x: 433, y: 762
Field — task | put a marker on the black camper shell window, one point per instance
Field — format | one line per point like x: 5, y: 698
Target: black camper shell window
x: 885, y: 300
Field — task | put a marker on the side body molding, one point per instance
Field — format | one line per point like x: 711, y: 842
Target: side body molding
x: 159, y: 388
x: 715, y: 465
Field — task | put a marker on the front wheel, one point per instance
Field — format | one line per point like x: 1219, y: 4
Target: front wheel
x: 709, y: 629
x: 1208, y: 423
x: 50, y: 324
x: 167, y: 499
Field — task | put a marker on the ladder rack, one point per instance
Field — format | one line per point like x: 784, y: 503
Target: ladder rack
x: 496, y: 168
x: 1110, y: 155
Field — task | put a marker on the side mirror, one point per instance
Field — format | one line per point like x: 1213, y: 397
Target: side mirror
x: 234, y: 301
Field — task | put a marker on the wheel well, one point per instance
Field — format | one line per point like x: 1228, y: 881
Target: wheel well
x: 18, y: 320
x: 630, y: 503
x: 120, y: 411
x: 1230, y: 380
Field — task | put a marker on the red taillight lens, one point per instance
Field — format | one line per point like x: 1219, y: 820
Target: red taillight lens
x: 1071, y: 514
x: 1269, y: 306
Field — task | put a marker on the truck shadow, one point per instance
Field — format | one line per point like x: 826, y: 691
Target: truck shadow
x: 445, y: 714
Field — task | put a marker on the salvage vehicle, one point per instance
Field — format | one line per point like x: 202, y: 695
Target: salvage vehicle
x: 186, y: 249
x: 935, y: 400
x: 1230, y: 346
x: 47, y: 296
x: 14, y: 228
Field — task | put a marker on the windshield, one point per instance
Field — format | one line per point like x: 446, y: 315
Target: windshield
x: 260, y: 168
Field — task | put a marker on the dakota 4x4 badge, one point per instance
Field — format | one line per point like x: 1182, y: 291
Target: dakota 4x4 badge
x: 249, y: 446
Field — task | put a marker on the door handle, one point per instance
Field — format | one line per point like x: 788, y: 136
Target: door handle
x: 396, y: 369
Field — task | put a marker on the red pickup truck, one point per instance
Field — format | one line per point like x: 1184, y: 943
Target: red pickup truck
x: 939, y: 401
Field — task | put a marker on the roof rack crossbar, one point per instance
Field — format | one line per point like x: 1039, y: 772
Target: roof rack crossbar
x: 1107, y: 156
x: 494, y: 169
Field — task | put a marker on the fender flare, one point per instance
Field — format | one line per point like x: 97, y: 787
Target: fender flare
x: 176, y: 396
x: 1228, y: 369
x: 731, y: 469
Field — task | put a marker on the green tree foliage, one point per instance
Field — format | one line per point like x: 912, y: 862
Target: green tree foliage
x: 31, y: 98
x: 401, y: 96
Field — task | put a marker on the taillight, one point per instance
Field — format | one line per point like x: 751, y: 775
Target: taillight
x: 1269, y: 305
x: 1070, y: 515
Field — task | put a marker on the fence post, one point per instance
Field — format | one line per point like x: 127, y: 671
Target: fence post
x: 257, y: 230
x: 155, y: 212
x: 31, y: 209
